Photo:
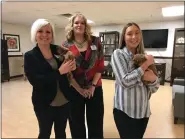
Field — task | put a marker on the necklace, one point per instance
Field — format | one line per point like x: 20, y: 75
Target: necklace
x: 80, y: 45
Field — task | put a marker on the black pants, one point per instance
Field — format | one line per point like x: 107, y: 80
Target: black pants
x: 128, y: 127
x: 94, y: 115
x: 46, y: 118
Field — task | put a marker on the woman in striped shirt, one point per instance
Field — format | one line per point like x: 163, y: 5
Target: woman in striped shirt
x: 131, y: 100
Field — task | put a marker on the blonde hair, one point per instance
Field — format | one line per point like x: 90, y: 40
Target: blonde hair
x: 140, y: 47
x: 69, y: 28
x: 39, y: 23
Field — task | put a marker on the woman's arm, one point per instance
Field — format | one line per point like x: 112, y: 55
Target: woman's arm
x: 100, y: 64
x: 153, y: 87
x: 77, y: 87
x: 99, y: 69
x: 35, y: 77
x: 39, y: 79
x: 94, y: 82
x: 120, y: 68
x: 150, y: 76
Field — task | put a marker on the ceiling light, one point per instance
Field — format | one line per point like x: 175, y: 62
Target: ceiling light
x: 173, y: 11
x: 89, y: 21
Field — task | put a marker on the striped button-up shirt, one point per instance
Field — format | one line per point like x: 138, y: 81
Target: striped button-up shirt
x: 131, y: 95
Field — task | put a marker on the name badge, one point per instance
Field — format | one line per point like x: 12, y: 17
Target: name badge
x: 93, y: 47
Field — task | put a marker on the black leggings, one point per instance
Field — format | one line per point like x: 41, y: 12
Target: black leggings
x: 128, y: 127
x: 46, y: 118
x: 94, y: 115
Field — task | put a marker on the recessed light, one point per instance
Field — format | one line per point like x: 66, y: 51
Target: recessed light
x: 89, y: 21
x: 173, y: 11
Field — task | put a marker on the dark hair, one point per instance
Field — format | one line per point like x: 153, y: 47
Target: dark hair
x: 122, y: 44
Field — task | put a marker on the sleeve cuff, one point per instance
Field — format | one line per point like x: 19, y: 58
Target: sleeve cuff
x: 154, y: 83
x: 140, y: 71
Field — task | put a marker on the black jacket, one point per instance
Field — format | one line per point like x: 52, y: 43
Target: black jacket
x: 43, y: 78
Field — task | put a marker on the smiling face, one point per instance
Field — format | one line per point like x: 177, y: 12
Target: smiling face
x: 132, y: 37
x: 44, y: 35
x: 79, y: 25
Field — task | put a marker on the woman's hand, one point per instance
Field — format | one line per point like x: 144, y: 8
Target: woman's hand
x: 65, y: 48
x: 83, y: 92
x: 91, y: 91
x: 150, y: 59
x: 149, y: 76
x: 73, y: 65
x: 67, y: 67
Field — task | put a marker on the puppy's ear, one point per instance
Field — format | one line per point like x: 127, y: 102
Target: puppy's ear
x: 62, y: 50
x: 71, y: 57
x: 143, y: 57
x: 133, y: 57
x: 61, y: 58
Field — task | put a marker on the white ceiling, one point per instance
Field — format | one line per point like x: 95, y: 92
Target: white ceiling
x: 102, y: 13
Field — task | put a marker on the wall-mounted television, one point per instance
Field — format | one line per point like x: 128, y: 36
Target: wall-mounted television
x: 156, y: 38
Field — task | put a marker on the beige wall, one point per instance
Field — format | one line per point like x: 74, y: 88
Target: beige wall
x: 25, y: 43
x: 171, y: 25
x: 16, y: 63
x: 168, y: 52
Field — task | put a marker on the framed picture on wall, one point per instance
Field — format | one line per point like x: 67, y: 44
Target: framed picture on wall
x: 13, y: 42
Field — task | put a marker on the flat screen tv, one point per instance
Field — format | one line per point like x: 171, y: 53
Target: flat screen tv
x: 157, y: 38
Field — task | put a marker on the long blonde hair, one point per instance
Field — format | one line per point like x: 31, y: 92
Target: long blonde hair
x: 69, y: 28
x: 140, y: 47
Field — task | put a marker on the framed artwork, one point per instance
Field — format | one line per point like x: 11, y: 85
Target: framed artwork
x: 13, y: 42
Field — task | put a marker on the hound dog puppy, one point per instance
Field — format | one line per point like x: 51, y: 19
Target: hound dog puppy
x: 65, y: 55
x: 139, y: 59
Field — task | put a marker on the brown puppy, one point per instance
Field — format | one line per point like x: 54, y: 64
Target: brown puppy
x: 140, y: 59
x: 64, y: 56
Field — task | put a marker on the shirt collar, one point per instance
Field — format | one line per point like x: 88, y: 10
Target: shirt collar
x: 125, y: 49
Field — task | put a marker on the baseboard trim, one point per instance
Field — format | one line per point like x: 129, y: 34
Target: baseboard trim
x: 15, y: 55
x: 167, y: 81
x: 16, y: 76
